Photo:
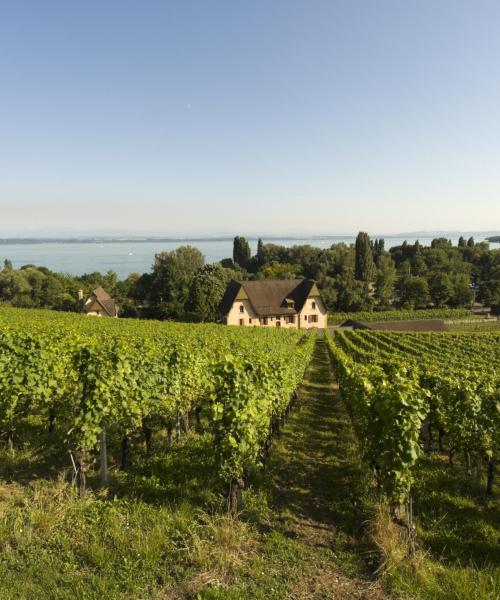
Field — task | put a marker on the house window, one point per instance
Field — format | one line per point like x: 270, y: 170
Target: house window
x: 242, y: 321
x: 250, y: 321
x: 313, y: 304
x: 313, y: 318
x: 278, y: 323
x: 305, y: 318
x: 271, y: 318
x: 290, y: 319
x: 242, y: 308
x: 264, y: 320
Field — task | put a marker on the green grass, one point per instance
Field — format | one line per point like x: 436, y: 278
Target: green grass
x: 458, y: 533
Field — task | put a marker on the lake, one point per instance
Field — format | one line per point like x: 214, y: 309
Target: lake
x: 125, y: 257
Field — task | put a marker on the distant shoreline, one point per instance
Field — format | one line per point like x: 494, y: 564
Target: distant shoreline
x: 7, y: 241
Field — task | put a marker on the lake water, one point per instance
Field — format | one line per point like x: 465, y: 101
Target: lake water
x: 125, y: 257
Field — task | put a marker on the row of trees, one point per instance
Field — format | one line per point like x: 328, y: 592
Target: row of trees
x: 351, y: 277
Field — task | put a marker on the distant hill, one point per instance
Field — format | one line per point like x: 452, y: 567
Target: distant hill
x: 494, y: 238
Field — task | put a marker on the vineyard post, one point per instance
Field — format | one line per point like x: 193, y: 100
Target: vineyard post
x: 185, y: 422
x: 148, y: 438
x: 468, y: 466
x: 479, y: 462
x: 104, y: 457
x: 178, y: 427
x: 411, y: 529
x: 441, y: 440
x: 124, y: 452
x: 10, y: 439
x: 429, y: 436
x: 235, y: 496
x: 170, y: 432
x: 52, y: 421
x: 197, y: 412
x: 81, y: 465
x: 491, y: 476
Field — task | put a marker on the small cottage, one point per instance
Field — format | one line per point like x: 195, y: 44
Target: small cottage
x: 274, y: 303
x: 99, y: 304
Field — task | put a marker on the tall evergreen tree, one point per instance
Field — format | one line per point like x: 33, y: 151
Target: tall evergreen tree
x: 363, y: 266
x: 241, y: 251
x: 470, y: 242
x: 378, y: 250
x: 461, y: 242
x: 260, y: 253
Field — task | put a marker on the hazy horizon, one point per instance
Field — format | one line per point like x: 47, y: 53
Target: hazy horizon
x: 131, y: 234
x: 283, y: 118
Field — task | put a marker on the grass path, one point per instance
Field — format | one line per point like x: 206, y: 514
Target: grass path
x: 317, y: 489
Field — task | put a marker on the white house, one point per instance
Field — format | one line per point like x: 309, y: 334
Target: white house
x: 100, y: 304
x: 273, y: 303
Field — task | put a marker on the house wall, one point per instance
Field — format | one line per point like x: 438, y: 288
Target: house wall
x: 234, y: 316
x: 319, y: 311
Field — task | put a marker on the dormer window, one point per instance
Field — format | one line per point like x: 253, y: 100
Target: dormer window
x: 290, y: 303
x: 242, y: 308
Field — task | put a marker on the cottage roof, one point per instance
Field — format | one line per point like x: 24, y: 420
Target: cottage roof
x: 271, y: 296
x: 101, y: 297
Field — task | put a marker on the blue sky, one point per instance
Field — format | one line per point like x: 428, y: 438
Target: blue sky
x: 249, y: 117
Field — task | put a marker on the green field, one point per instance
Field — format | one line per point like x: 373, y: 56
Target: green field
x: 193, y: 412
x: 337, y: 318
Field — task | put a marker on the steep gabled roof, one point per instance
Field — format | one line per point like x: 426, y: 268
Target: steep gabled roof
x: 269, y: 297
x: 101, y: 297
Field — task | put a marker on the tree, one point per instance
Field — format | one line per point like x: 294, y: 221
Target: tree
x: 241, y: 251
x: 385, y: 277
x: 276, y: 270
x: 260, y: 253
x: 7, y: 264
x: 440, y: 288
x: 441, y: 243
x: 413, y: 292
x: 462, y: 293
x: 462, y: 243
x: 378, y: 250
x: 207, y: 288
x: 173, y: 273
x: 470, y: 242
x: 363, y: 266
x: 15, y: 288
x: 351, y: 293
x: 489, y: 292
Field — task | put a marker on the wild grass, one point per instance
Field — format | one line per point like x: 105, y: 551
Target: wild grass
x: 475, y: 326
x: 458, y: 534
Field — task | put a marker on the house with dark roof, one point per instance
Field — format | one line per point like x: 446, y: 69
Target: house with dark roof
x: 273, y: 303
x: 100, y: 304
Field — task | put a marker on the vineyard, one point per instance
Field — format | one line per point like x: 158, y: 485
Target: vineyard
x: 397, y: 385
x: 337, y: 318
x: 173, y: 430
x: 92, y: 378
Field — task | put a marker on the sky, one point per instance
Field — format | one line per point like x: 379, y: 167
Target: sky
x: 262, y: 117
